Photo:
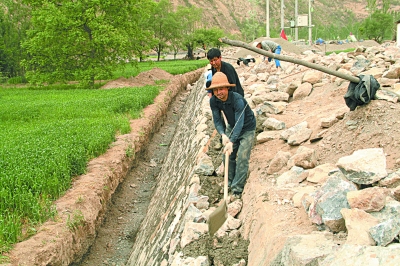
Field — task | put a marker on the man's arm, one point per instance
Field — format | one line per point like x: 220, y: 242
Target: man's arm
x: 239, y: 106
x: 219, y: 122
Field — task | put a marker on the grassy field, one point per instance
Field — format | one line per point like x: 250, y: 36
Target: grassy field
x: 49, y: 134
x: 173, y: 67
x: 340, y: 51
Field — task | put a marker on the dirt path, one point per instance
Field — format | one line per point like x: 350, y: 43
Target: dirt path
x: 129, y: 203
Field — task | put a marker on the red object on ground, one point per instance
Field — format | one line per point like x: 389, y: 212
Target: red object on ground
x: 283, y: 35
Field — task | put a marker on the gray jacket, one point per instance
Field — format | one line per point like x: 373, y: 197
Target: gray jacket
x: 269, y: 45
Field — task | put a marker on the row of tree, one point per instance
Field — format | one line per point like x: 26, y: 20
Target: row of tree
x: 50, y: 41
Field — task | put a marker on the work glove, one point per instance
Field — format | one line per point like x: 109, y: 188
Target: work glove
x: 225, y: 139
x: 228, y: 148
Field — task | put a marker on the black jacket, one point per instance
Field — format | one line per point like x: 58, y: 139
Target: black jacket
x: 238, y: 113
x: 232, y: 76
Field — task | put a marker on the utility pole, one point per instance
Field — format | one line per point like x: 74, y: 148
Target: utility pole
x: 309, y: 23
x: 296, y: 18
x: 282, y: 14
x: 267, y: 19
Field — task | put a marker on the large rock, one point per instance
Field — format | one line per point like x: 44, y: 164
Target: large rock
x: 364, y: 166
x: 363, y: 255
x: 304, y: 157
x: 358, y: 224
x: 369, y: 199
x: 305, y: 249
x: 327, y: 202
x: 302, y: 91
x: 278, y: 162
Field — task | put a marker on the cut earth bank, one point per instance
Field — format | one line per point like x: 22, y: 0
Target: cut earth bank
x: 278, y: 206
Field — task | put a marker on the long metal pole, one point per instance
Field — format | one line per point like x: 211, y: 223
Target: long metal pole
x: 309, y: 23
x: 296, y: 17
x: 282, y: 14
x: 267, y: 19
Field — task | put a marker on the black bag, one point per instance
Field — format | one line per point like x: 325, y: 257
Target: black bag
x: 361, y: 93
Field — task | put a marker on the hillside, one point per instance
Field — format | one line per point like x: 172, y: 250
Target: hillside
x: 230, y: 15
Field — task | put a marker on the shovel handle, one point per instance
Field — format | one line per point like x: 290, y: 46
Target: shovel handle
x: 226, y: 176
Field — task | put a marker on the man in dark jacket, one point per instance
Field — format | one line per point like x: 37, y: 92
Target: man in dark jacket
x: 217, y: 65
x: 238, y: 137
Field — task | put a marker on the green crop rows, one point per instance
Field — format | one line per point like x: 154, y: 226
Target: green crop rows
x: 48, y: 137
x: 173, y: 67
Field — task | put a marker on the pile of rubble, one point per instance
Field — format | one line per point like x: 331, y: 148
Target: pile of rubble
x: 347, y: 188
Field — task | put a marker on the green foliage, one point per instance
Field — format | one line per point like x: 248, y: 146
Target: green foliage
x: 14, y: 21
x: 76, y: 220
x: 189, y: 18
x: 251, y: 28
x: 339, y: 51
x: 377, y: 27
x: 208, y: 37
x: 163, y: 24
x: 48, y: 136
x: 331, y: 32
x: 4, y: 259
x: 80, y: 40
x: 142, y: 41
x: 17, y: 80
x: 130, y: 152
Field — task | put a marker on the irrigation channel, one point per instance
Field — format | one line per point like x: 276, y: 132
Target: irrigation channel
x: 128, y: 207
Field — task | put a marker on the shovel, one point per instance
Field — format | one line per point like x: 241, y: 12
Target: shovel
x: 218, y: 217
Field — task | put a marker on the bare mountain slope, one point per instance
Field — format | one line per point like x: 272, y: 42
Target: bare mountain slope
x: 230, y: 14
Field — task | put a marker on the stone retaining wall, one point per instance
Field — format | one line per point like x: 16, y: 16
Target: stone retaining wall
x: 160, y: 230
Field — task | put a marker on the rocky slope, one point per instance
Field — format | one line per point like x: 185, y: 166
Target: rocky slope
x: 324, y: 182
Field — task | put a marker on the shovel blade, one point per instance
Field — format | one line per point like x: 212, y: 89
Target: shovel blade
x: 217, y: 218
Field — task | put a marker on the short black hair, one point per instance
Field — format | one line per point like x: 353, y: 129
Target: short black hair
x: 213, y: 52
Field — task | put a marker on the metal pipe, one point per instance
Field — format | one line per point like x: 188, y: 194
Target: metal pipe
x: 282, y: 14
x: 296, y: 18
x: 267, y: 18
x: 309, y: 24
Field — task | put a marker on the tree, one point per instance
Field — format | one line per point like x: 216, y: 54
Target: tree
x: 251, y: 28
x: 208, y: 37
x: 81, y: 40
x: 177, y: 38
x: 14, y: 20
x: 142, y: 41
x: 189, y: 18
x: 377, y: 26
x: 163, y: 25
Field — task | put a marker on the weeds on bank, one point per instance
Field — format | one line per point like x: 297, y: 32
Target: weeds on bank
x: 130, y: 152
x: 76, y: 220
